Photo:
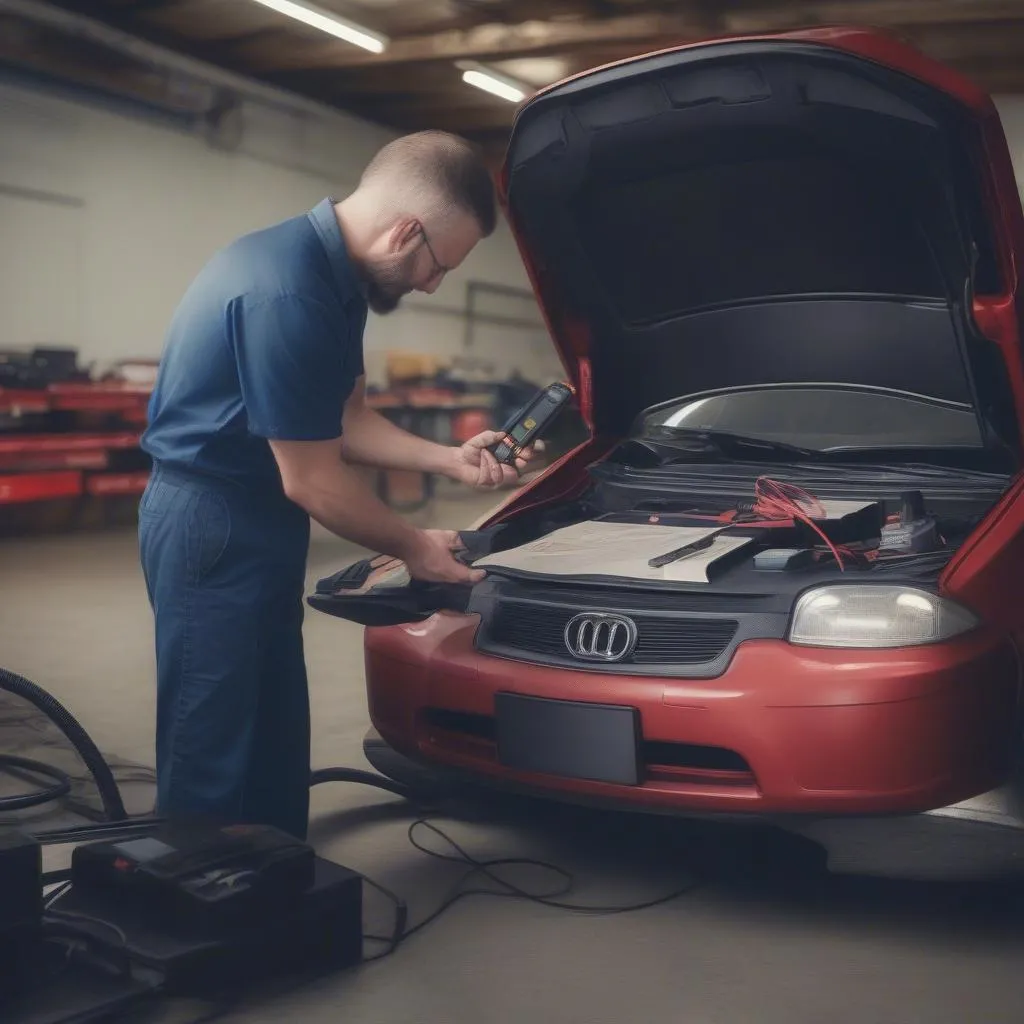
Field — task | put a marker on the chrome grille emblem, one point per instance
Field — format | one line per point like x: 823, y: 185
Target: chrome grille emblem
x: 594, y: 636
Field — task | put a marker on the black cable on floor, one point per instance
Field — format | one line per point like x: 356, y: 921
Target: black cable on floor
x: 30, y: 770
x: 361, y: 778
x: 402, y: 931
x: 507, y: 890
x: 113, y: 805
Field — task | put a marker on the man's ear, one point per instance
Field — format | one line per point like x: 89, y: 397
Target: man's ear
x: 403, y: 234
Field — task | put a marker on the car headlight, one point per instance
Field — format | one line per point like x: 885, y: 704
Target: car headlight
x: 876, y: 616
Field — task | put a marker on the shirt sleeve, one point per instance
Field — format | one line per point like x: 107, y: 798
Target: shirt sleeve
x: 296, y: 363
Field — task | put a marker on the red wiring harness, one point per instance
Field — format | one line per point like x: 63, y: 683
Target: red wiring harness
x: 774, y: 501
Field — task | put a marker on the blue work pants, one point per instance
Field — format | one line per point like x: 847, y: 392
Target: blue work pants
x: 225, y: 574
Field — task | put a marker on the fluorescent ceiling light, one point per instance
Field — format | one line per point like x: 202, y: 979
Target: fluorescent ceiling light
x: 332, y: 24
x: 496, y: 85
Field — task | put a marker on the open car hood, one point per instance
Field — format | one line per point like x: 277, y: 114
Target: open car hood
x: 820, y: 207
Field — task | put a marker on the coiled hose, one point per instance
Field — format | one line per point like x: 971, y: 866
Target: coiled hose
x: 106, y: 784
x: 29, y: 770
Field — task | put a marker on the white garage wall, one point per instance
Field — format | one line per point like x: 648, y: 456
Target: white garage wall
x: 104, y: 219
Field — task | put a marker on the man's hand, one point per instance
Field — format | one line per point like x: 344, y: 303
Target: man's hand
x: 477, y: 467
x: 430, y: 559
x: 371, y: 440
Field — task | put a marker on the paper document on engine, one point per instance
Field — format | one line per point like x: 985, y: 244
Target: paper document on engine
x: 841, y: 509
x: 619, y: 550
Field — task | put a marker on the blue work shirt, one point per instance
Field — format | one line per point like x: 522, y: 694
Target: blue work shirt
x: 266, y: 344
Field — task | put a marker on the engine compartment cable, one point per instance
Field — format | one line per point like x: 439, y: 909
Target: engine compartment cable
x: 775, y: 500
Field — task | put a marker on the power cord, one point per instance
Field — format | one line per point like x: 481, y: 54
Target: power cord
x: 506, y: 889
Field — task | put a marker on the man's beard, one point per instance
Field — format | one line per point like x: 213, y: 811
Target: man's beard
x: 380, y: 300
x: 387, y: 283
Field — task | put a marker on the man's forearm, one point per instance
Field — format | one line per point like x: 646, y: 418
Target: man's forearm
x: 372, y: 440
x: 340, y: 500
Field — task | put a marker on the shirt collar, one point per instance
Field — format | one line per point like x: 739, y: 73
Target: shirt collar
x: 326, y: 223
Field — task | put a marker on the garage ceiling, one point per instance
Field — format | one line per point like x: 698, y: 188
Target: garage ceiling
x: 416, y: 80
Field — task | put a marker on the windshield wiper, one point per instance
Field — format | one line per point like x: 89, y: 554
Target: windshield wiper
x: 723, y: 442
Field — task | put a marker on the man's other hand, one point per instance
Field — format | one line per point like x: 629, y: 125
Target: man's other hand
x: 432, y: 560
x: 477, y: 467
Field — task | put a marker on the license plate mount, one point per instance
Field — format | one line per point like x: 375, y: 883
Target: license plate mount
x: 569, y: 739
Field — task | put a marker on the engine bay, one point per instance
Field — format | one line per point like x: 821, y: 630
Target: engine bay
x: 796, y: 521
x: 763, y: 532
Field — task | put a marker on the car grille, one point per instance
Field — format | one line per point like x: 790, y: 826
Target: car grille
x: 661, y: 639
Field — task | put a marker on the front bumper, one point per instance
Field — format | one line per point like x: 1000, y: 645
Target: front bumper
x: 978, y: 839
x: 783, y: 731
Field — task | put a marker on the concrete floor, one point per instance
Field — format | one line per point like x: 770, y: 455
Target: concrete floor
x: 765, y: 938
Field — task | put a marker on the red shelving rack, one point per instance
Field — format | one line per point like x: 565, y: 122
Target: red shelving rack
x: 60, y: 442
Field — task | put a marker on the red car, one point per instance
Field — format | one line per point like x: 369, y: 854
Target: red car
x: 782, y: 275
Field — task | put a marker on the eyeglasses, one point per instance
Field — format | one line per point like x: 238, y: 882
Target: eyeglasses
x: 439, y: 268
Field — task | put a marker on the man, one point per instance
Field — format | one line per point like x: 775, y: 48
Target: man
x: 256, y: 423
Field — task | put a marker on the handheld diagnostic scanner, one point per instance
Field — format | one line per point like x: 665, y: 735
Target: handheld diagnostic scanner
x: 531, y: 422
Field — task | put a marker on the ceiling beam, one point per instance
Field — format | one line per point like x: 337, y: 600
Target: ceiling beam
x: 42, y: 51
x: 958, y: 46
x: 483, y: 42
x: 633, y: 32
x: 896, y: 14
x: 411, y: 81
x: 212, y: 21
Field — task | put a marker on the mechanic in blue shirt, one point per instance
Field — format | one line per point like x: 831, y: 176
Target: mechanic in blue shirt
x: 256, y: 423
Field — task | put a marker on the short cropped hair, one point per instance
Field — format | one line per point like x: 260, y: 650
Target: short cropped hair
x: 442, y: 165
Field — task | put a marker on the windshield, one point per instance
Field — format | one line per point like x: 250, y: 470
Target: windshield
x: 823, y: 418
